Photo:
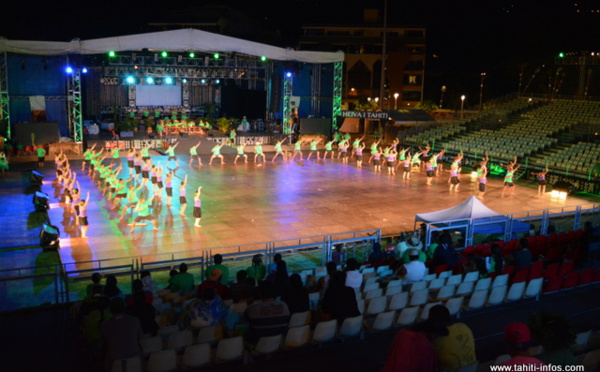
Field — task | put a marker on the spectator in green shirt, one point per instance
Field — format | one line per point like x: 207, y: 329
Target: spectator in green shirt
x: 218, y: 259
x: 183, y: 281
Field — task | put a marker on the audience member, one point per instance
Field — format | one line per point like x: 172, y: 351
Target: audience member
x: 138, y: 287
x: 445, y: 254
x: 214, y: 282
x: 296, y: 297
x: 495, y: 263
x: 377, y: 256
x: 242, y: 289
x: 457, y: 348
x: 111, y: 290
x: 412, y: 350
x: 258, y: 270
x: 144, y: 312
x: 218, y: 259
x: 183, y: 281
x: 354, y: 278
x: 267, y: 318
x: 149, y: 285
x: 96, y: 278
x: 172, y: 273
x: 339, y: 301
x: 323, y: 282
x: 338, y: 255
x: 90, y: 303
x: 120, y: 335
x: 414, y: 271
x: 280, y: 279
x: 273, y: 265
x: 556, y: 335
x: 206, y: 310
x: 522, y: 257
x: 92, y: 323
x: 518, y: 340
x: 433, y: 246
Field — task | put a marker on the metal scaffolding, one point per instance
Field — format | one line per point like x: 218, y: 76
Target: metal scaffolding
x: 337, y: 94
x: 4, y: 97
x: 287, y: 108
x: 74, y: 105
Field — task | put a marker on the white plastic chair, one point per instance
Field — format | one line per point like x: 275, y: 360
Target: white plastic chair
x: 390, y: 291
x: 162, y: 361
x: 383, y: 321
x: 351, y: 327
x: 483, y: 284
x: 208, y: 334
x: 370, y: 284
x: 445, y: 292
x: 454, y: 305
x: 313, y: 299
x: 268, y: 345
x: 324, y: 331
x: 477, y: 300
x: 419, y: 297
x: 398, y: 301
x: 429, y: 277
x: 436, y: 283
x: 500, y: 280
x: 417, y: 286
x: 133, y: 364
x: 382, y: 268
x: 426, y: 308
x: 368, y: 270
x: 230, y: 348
x: 395, y: 283
x: 299, y: 319
x: 297, y: 336
x: 534, y: 288
x: 471, y: 277
x: 179, y: 340
x: 497, y: 296
x: 166, y: 331
x: 581, y: 342
x: 465, y: 289
x: 374, y: 293
x: 240, y: 307
x: 502, y: 358
x: 445, y: 274
x: 361, y: 305
x: 454, y: 279
x: 196, y: 355
x: 516, y: 291
x: 377, y: 305
x: 408, y: 316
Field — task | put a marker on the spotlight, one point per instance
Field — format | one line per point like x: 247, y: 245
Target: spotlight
x: 184, y: 81
x: 263, y: 58
x: 149, y: 80
x: 112, y: 54
x: 203, y: 81
x: 217, y: 81
x: 41, y: 201
x: 288, y: 75
x: 36, y: 178
x: 69, y: 70
x: 192, y: 55
x: 216, y: 56
x: 130, y: 79
x: 84, y: 70
x: 168, y: 80
x: 164, y: 54
x: 49, y: 237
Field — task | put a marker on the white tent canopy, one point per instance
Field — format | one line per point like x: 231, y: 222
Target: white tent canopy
x: 184, y: 40
x: 471, y: 208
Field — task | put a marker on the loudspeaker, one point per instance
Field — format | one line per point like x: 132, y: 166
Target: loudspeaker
x: 41, y: 201
x: 184, y: 135
x: 49, y: 237
x: 36, y: 178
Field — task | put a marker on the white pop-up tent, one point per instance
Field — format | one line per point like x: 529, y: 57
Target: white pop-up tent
x: 474, y: 217
x: 183, y: 40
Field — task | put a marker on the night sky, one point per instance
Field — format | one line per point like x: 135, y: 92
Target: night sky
x: 464, y: 38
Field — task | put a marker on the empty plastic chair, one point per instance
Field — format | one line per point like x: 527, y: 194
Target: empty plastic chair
x: 419, y: 297
x: 361, y: 305
x: 417, y: 286
x: 390, y: 291
x: 465, y: 289
x: 395, y: 283
x: 454, y: 305
x: 581, y: 342
x: 165, y: 332
x: 454, y: 279
x: 398, y: 301
x: 483, y: 284
x: 196, y: 355
x: 477, y: 300
x: 368, y: 270
x: 445, y: 274
x: 380, y: 269
x: 209, y: 334
x: 429, y: 277
x: 370, y: 285
x: 497, y: 296
x: 516, y: 291
x: 133, y: 364
x: 383, y: 321
x: 351, y: 327
x: 151, y: 345
x: 377, y: 305
x: 325, y: 331
x: 436, y: 283
x: 299, y: 319
x: 162, y: 361
x: 230, y: 348
x: 297, y: 336
x: 500, y: 281
x: 534, y: 287
x: 374, y: 293
x: 445, y: 292
x: 471, y: 277
x: 313, y: 298
x: 268, y: 345
x: 179, y: 340
x: 407, y: 316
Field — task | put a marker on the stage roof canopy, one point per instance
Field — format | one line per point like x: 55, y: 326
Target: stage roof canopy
x: 185, y: 40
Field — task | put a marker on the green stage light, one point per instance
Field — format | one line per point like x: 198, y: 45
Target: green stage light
x: 561, y: 55
x: 112, y: 54
x: 164, y: 54
x: 216, y: 55
x: 192, y: 54
x: 263, y: 58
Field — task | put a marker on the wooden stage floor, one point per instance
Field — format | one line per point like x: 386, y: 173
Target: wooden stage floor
x: 245, y: 204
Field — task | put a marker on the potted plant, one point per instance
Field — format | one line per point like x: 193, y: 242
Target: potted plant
x: 223, y: 124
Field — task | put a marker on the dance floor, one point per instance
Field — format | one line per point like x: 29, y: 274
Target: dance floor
x: 246, y: 204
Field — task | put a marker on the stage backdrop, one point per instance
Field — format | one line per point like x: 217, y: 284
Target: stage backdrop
x: 316, y: 126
